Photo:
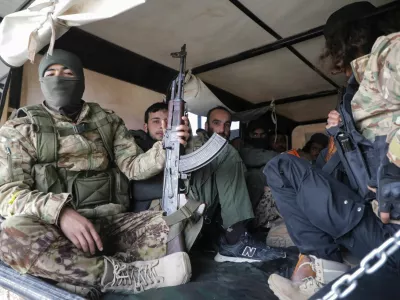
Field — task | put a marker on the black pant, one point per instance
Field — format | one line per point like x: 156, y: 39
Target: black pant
x: 322, y: 213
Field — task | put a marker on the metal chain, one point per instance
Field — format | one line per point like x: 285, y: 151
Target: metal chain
x: 372, y: 262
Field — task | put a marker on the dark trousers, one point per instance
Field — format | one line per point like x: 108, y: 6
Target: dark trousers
x: 321, y: 213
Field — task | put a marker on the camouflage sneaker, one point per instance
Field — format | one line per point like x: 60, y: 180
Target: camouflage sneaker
x: 278, y: 235
x: 139, y: 276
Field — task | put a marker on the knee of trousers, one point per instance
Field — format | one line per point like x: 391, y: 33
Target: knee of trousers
x: 23, y: 239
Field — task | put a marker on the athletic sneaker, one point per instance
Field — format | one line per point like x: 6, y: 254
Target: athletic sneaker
x: 247, y: 249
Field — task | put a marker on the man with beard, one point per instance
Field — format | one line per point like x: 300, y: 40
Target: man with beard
x: 63, y: 192
x: 277, y: 141
x: 219, y: 183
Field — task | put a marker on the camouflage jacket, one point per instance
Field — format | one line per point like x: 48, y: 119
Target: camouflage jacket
x: 195, y: 142
x: 82, y: 152
x: 376, y: 105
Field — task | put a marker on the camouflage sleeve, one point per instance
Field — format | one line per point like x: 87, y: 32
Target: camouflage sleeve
x: 17, y: 156
x: 131, y: 160
x: 390, y: 88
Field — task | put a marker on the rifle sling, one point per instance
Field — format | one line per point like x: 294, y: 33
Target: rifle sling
x: 184, y: 213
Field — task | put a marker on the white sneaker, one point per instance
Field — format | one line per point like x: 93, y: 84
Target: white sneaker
x: 286, y: 289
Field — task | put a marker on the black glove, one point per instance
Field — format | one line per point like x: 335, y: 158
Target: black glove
x: 389, y: 189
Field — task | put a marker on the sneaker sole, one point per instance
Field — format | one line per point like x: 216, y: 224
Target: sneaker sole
x: 277, y: 292
x: 188, y: 269
x: 221, y: 258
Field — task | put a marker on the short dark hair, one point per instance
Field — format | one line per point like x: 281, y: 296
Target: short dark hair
x: 154, y: 108
x: 217, y: 108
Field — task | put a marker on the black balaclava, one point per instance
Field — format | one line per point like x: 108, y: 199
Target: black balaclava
x: 63, y: 94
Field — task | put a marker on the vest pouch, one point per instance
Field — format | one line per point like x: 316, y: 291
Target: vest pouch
x: 121, y: 188
x: 91, y: 189
x: 47, y: 179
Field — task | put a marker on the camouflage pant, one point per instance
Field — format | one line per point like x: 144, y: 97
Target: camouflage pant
x: 31, y: 246
x: 266, y: 210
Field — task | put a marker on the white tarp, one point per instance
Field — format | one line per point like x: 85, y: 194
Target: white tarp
x: 24, y: 33
x: 200, y: 100
x: 198, y: 96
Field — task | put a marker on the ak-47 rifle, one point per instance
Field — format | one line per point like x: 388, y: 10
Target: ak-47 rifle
x: 179, y: 166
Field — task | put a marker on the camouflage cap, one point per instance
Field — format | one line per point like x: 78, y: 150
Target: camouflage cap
x: 346, y: 14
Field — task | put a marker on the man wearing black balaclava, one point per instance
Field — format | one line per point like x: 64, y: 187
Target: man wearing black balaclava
x: 255, y: 156
x: 63, y: 192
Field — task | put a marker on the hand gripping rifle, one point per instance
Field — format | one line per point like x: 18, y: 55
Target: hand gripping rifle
x: 179, y: 166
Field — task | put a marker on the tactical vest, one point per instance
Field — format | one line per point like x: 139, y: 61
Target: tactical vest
x: 359, y: 156
x: 94, y: 193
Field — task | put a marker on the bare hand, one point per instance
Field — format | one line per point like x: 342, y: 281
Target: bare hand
x: 183, y: 131
x: 334, y: 119
x: 80, y: 231
x: 385, y: 217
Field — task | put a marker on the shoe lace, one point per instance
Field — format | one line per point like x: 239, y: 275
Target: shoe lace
x: 139, y: 278
x: 311, y: 282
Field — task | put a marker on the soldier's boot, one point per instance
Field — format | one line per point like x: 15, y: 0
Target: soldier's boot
x: 310, y: 275
x: 278, y: 235
x: 139, y: 276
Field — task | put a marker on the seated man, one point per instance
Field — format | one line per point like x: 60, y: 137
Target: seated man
x: 221, y: 182
x: 315, y: 145
x: 313, y: 148
x: 277, y: 141
x: 66, y: 219
x: 255, y: 156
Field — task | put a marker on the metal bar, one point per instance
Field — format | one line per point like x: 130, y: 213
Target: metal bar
x: 24, y: 5
x: 16, y: 87
x: 294, y: 39
x: 298, y: 98
x: 282, y: 43
x: 4, y: 76
x: 312, y: 122
x: 4, y: 93
x: 256, y: 19
x: 276, y: 35
x: 30, y: 287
